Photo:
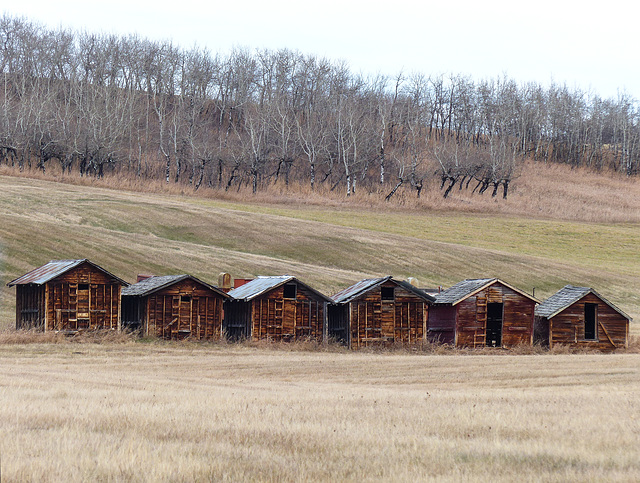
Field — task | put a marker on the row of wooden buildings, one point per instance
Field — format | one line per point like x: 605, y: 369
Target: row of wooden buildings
x: 73, y: 295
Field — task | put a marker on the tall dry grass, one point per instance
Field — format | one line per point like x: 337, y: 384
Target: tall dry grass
x: 114, y: 412
x: 541, y: 190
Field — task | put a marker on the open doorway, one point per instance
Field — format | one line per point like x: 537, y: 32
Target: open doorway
x: 494, y: 324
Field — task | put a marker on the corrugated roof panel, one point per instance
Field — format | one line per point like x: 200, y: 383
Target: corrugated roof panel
x: 55, y: 268
x: 46, y: 272
x: 357, y: 288
x: 258, y: 286
x: 151, y: 284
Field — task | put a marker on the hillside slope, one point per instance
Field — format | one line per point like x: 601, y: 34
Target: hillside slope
x: 129, y: 233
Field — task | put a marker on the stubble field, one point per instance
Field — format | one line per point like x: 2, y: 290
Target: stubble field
x: 166, y: 412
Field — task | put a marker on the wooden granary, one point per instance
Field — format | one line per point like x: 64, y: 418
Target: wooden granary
x: 276, y: 308
x: 379, y: 312
x: 174, y: 307
x: 68, y: 295
x: 482, y: 312
x: 581, y: 317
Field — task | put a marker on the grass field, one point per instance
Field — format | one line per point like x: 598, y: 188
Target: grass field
x: 127, y: 410
x: 213, y: 412
x: 328, y: 245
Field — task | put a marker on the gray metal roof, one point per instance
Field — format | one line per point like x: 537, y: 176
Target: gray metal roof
x: 467, y: 288
x: 363, y: 286
x: 357, y: 289
x: 462, y: 290
x: 53, y: 269
x: 262, y: 284
x: 567, y: 296
x: 153, y: 284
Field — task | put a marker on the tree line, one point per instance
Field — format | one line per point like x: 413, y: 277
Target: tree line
x: 94, y: 103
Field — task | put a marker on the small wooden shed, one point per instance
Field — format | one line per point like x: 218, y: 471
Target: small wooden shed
x: 581, y: 317
x: 276, y: 308
x: 68, y: 295
x: 379, y: 311
x: 483, y: 312
x: 174, y: 307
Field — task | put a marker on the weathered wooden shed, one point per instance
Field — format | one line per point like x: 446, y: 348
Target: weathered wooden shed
x: 581, y: 317
x: 174, y: 307
x: 379, y: 311
x: 68, y: 295
x: 482, y: 312
x: 276, y: 308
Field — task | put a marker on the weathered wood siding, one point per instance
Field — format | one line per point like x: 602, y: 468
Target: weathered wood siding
x: 185, y: 309
x: 442, y: 324
x: 517, y: 317
x: 470, y: 317
x: 82, y: 298
x: 281, y: 319
x: 375, y: 322
x: 567, y: 327
x: 30, y: 307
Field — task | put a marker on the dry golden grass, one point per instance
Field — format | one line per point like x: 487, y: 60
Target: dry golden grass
x: 539, y: 190
x: 204, y: 412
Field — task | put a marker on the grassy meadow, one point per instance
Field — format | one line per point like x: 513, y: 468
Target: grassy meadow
x: 120, y: 409
x: 214, y: 412
x: 330, y: 243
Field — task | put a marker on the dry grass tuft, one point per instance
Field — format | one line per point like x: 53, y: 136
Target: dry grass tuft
x: 10, y: 336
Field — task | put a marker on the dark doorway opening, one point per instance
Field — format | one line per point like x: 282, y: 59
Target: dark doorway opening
x: 590, y: 318
x: 494, y: 324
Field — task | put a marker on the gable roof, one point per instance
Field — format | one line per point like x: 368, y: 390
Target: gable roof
x: 262, y: 284
x: 151, y: 285
x: 364, y: 286
x: 53, y: 269
x: 465, y: 289
x: 567, y: 296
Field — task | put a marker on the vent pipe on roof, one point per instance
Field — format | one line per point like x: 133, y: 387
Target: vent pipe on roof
x: 225, y: 282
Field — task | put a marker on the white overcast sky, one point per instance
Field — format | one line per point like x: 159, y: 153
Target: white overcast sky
x: 594, y: 46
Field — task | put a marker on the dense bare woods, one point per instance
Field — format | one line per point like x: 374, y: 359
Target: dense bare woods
x: 101, y: 103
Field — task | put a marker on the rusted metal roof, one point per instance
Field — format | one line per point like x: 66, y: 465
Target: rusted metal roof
x: 53, y: 269
x: 262, y: 284
x: 469, y: 287
x: 567, y: 296
x: 363, y: 286
x: 357, y: 289
x: 151, y: 285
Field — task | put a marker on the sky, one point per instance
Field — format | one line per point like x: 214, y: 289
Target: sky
x: 587, y: 45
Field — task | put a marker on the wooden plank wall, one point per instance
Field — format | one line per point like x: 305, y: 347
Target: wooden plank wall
x: 568, y: 326
x: 442, y: 324
x: 69, y: 308
x: 186, y: 309
x: 375, y: 322
x: 517, y: 322
x: 279, y: 319
x: 30, y: 309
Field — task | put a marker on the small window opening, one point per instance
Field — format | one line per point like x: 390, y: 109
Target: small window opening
x: 83, y: 286
x: 290, y: 291
x: 590, y: 321
x: 185, y: 298
x: 388, y: 294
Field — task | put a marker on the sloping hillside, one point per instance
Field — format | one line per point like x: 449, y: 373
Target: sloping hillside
x: 129, y: 233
